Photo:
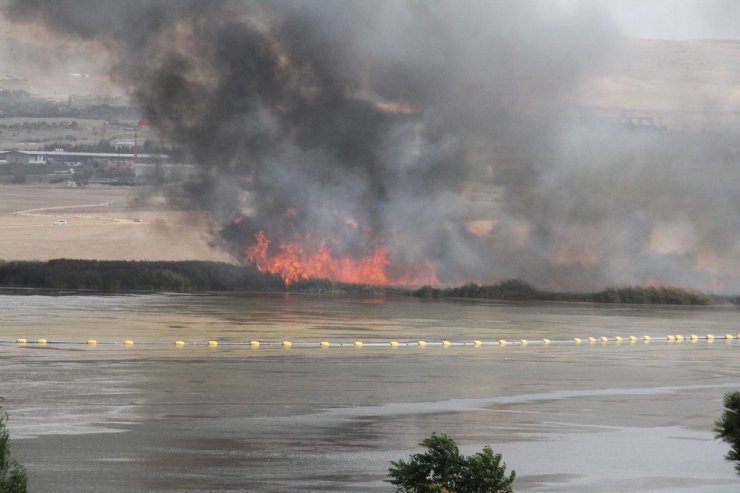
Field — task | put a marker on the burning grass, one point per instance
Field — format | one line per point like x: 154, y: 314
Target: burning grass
x: 199, y: 276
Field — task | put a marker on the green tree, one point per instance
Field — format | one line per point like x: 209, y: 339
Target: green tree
x: 727, y: 427
x: 12, y: 475
x: 443, y: 469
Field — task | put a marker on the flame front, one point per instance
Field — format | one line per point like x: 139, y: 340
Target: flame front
x: 293, y: 262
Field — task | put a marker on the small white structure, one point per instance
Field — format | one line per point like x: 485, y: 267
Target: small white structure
x: 37, y: 159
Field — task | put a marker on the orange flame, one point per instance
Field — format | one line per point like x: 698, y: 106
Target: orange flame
x: 292, y: 262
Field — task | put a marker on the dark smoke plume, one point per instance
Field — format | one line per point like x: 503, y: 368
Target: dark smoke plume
x: 444, y: 129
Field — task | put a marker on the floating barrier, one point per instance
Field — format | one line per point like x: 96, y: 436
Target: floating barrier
x: 324, y: 344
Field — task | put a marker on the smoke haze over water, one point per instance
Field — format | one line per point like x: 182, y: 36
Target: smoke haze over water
x: 452, y: 133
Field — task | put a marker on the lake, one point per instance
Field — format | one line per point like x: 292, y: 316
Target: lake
x: 152, y: 416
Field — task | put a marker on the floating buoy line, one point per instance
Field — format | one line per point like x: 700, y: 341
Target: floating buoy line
x: 287, y: 344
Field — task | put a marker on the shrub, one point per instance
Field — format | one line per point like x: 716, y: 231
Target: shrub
x: 12, y: 475
x: 727, y: 427
x: 443, y: 469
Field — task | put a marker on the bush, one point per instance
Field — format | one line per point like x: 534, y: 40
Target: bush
x: 728, y: 427
x: 12, y: 475
x: 442, y: 469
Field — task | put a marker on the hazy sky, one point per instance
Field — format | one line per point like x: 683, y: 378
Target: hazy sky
x: 676, y: 19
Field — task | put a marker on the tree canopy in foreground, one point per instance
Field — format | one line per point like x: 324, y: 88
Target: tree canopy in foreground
x: 12, y: 475
x: 443, y: 469
x: 727, y: 427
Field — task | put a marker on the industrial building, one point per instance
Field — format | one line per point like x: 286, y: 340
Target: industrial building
x: 77, y: 158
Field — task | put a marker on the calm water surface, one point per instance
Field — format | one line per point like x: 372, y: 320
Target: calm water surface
x: 153, y: 417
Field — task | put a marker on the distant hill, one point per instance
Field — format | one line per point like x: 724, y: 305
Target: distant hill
x: 680, y: 85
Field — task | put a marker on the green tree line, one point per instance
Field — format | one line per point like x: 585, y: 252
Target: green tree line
x: 134, y: 276
x: 518, y: 290
x: 114, y: 276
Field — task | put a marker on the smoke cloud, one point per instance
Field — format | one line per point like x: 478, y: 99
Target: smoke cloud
x: 451, y: 133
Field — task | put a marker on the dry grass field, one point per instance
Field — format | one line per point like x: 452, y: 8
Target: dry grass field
x: 105, y: 223
x: 22, y: 133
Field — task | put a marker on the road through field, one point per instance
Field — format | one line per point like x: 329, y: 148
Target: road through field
x: 105, y: 223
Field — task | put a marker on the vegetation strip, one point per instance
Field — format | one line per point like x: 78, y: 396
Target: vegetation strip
x: 119, y: 276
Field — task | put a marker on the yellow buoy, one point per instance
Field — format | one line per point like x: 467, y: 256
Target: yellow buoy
x: 545, y: 341
x: 358, y: 344
x: 422, y: 343
x: 604, y: 339
x: 254, y: 343
x: 91, y: 342
x: 646, y: 338
x: 446, y: 343
x: 591, y: 340
x: 477, y: 343
x: 21, y: 341
x: 393, y: 344
x: 502, y: 342
x: 324, y: 344
x: 40, y: 342
x: 524, y: 342
x: 577, y: 340
x: 679, y: 338
x: 670, y: 338
x: 633, y: 339
x: 287, y: 344
x: 179, y: 343
x: 618, y: 339
x: 729, y: 337
x: 128, y: 342
x: 212, y: 343
x: 710, y: 338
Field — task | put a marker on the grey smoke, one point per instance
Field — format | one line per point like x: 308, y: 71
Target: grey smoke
x: 405, y: 122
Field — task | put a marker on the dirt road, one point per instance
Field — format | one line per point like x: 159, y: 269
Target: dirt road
x: 106, y: 223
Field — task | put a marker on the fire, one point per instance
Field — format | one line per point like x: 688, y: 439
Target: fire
x: 293, y: 262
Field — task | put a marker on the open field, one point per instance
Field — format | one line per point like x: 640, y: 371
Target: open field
x: 33, y: 133
x: 107, y: 223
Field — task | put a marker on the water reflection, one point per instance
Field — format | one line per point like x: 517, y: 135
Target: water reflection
x: 616, y: 418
